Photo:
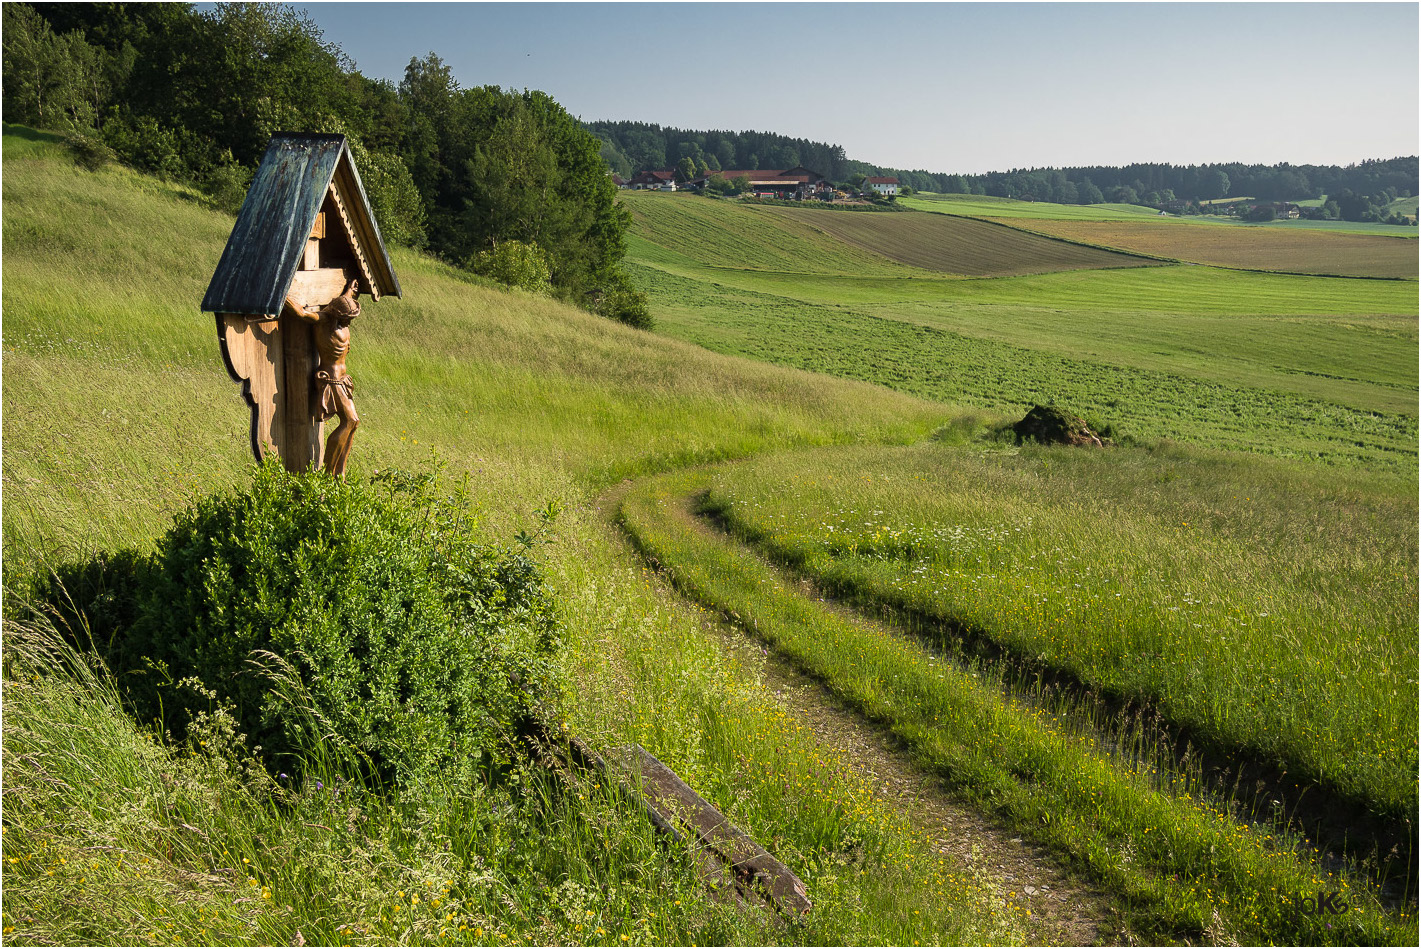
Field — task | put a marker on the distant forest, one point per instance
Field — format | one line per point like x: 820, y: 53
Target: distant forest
x: 1153, y: 183
x: 631, y: 147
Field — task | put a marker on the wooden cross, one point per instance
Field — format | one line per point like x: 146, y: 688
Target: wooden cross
x: 306, y: 185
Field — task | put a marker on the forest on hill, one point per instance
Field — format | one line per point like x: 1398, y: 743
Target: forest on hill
x: 501, y: 182
x: 631, y: 147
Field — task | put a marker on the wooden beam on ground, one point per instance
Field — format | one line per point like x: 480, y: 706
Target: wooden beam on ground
x: 676, y: 801
x: 733, y: 866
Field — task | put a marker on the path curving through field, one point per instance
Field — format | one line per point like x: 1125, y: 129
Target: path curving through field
x: 1066, y: 908
x: 965, y: 757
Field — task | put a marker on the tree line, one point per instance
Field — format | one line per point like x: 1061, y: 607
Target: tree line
x: 493, y: 180
x: 632, y: 147
x: 1158, y: 185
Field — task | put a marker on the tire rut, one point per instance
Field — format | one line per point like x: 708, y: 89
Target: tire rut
x: 1065, y: 909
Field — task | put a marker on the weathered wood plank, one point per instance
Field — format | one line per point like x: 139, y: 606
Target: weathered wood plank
x: 674, y: 798
x: 315, y: 288
x: 252, y: 352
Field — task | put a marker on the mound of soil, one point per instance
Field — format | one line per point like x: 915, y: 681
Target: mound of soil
x: 1049, y: 425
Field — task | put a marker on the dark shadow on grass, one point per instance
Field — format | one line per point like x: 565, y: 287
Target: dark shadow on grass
x: 1344, y: 828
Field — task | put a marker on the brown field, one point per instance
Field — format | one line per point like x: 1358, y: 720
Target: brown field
x: 957, y: 245
x: 1248, y: 248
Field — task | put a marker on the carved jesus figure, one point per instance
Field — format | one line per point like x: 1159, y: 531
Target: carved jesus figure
x: 335, y: 387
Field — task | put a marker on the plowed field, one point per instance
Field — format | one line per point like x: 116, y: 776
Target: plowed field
x: 1249, y: 248
x: 957, y: 245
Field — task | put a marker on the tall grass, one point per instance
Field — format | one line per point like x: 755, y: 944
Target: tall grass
x: 1269, y: 610
x: 117, y: 411
x: 1186, y: 868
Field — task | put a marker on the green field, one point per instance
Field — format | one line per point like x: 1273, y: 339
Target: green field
x: 1276, y: 249
x: 1190, y: 583
x: 1293, y: 366
x: 1216, y: 589
x: 731, y: 234
x: 1095, y: 786
x: 973, y: 205
x: 865, y: 520
x: 1406, y: 206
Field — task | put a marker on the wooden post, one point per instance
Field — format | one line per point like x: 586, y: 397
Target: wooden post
x: 301, y: 448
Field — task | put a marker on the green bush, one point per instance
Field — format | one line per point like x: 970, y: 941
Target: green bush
x: 622, y: 302
x: 226, y: 184
x: 626, y: 306
x: 90, y: 152
x: 363, y: 614
x: 516, y: 264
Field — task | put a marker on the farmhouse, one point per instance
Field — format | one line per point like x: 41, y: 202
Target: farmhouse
x: 664, y: 180
x: 798, y: 183
x: 884, y: 186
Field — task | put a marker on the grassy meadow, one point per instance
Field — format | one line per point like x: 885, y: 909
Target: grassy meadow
x: 1297, y: 367
x: 1105, y: 793
x: 834, y: 406
x: 1264, y: 610
x: 1261, y: 609
x: 117, y: 412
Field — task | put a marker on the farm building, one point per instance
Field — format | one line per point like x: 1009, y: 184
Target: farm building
x: 797, y: 183
x: 884, y: 186
x: 664, y: 180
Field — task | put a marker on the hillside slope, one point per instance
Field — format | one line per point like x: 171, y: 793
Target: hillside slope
x: 745, y: 235
x: 113, y: 376
x: 1298, y: 366
x: 118, y: 412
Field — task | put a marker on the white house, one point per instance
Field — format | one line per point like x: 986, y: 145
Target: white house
x: 884, y: 186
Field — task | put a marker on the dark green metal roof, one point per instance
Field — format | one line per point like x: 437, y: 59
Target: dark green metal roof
x: 269, y: 238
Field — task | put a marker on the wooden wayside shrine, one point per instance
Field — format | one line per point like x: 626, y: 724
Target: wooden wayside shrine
x: 304, y: 232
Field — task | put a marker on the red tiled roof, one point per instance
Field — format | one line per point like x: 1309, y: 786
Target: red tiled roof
x: 881, y: 181
x: 763, y: 177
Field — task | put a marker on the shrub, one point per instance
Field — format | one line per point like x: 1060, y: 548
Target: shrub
x: 516, y: 264
x: 626, y: 306
x: 226, y: 184
x: 622, y: 302
x: 90, y: 152
x: 366, y: 613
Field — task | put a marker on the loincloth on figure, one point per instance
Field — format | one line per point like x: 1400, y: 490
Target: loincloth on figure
x: 330, y: 405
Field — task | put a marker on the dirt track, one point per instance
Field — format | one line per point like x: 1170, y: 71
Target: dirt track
x: 1065, y: 910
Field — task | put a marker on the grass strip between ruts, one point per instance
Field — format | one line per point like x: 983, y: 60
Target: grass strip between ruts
x: 1186, y: 868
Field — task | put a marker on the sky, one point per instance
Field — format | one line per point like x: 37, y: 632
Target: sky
x: 945, y: 87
